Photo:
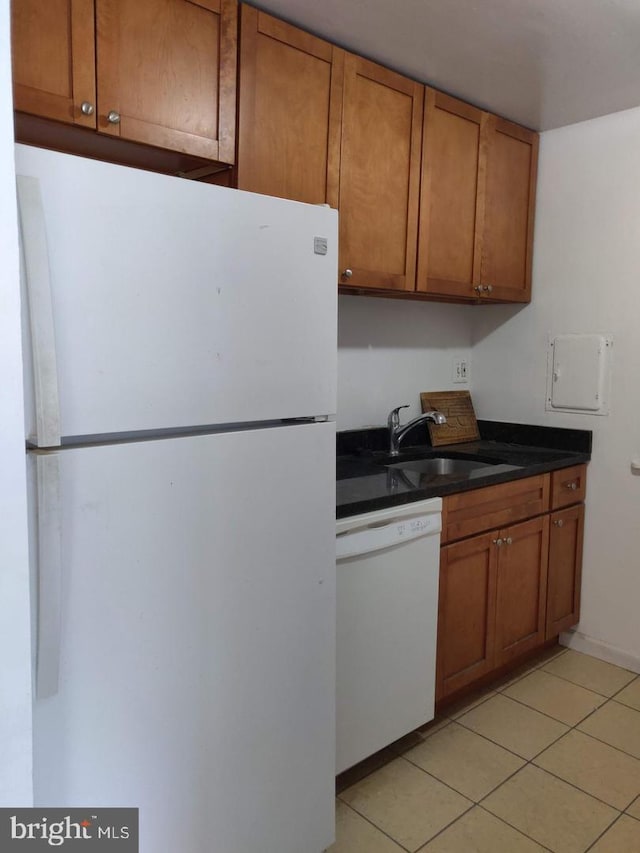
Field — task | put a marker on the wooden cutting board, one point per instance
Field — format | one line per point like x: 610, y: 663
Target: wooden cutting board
x: 461, y: 422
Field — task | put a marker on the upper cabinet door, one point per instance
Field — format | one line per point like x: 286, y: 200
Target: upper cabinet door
x: 449, y: 237
x: 167, y: 74
x: 54, y: 59
x: 379, y: 177
x: 290, y: 110
x: 512, y: 158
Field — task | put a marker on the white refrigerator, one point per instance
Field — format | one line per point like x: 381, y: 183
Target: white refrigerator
x: 180, y: 370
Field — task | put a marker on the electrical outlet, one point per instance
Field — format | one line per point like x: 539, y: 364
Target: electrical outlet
x: 460, y: 370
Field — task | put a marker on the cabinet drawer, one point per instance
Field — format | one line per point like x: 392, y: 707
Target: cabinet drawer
x: 494, y: 506
x: 568, y: 486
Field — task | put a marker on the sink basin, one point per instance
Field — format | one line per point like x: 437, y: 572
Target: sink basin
x: 440, y: 465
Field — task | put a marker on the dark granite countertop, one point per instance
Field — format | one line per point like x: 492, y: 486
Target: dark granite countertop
x: 364, y: 484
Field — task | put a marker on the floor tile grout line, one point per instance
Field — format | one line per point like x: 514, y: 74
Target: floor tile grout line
x: 622, y: 704
x: 559, y: 678
x: 604, y: 831
x: 495, y: 742
x: 618, y: 692
x: 472, y: 805
x: 548, y: 716
x: 441, y: 781
x: 606, y: 743
x: 526, y: 835
x: 592, y: 689
x: 619, y: 812
x: 375, y: 826
x: 455, y: 790
x: 459, y: 818
x: 530, y: 761
x: 578, y: 788
x: 445, y: 828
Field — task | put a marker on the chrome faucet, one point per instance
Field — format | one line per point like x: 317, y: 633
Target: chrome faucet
x: 397, y: 432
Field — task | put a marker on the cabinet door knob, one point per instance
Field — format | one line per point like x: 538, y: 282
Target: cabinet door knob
x: 559, y: 522
x: 573, y: 486
x: 347, y: 273
x: 86, y: 108
x: 497, y: 542
x: 508, y: 541
x: 113, y: 117
x: 489, y: 288
x: 478, y: 288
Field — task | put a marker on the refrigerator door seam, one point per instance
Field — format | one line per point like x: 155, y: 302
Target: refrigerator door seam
x: 36, y: 277
x: 49, y: 621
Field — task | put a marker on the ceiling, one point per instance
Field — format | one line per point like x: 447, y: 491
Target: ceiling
x: 542, y: 63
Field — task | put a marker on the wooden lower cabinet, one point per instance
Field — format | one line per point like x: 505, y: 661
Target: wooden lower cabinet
x: 506, y: 591
x: 565, y: 569
x: 466, y: 613
x: 521, y: 589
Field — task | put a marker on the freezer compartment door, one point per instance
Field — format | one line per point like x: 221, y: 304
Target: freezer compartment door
x: 174, y: 303
x: 197, y: 658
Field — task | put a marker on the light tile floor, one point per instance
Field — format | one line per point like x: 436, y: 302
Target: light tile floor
x: 546, y: 759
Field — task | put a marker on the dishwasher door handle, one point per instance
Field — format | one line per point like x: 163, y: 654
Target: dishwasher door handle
x: 376, y: 538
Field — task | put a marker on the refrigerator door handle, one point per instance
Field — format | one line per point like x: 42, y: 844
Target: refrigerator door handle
x: 35, y: 269
x: 49, y: 621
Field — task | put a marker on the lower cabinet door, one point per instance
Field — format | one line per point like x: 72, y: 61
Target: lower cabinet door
x: 466, y: 612
x: 565, y: 569
x: 521, y: 589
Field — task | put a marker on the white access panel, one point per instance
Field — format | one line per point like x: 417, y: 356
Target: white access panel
x: 578, y: 373
x: 173, y: 303
x: 197, y: 665
x: 387, y: 615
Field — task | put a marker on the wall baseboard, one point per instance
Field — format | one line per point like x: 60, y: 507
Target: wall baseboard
x: 598, y: 649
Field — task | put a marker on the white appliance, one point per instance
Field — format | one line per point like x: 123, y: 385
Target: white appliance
x: 387, y: 615
x: 182, y: 370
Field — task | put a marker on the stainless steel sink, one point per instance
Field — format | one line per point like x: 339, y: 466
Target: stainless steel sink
x: 440, y: 465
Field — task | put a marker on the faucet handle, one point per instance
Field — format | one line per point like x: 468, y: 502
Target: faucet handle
x: 394, y: 415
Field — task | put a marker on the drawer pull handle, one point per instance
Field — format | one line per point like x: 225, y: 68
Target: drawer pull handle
x: 573, y: 486
x: 559, y: 523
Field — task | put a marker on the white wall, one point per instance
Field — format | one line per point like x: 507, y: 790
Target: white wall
x: 15, y: 677
x: 390, y: 350
x: 586, y: 278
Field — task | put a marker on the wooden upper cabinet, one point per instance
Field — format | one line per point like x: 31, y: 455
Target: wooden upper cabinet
x: 290, y: 107
x: 166, y: 74
x: 477, y: 204
x: 507, y: 245
x: 160, y: 72
x: 450, y: 210
x: 53, y: 51
x: 379, y: 176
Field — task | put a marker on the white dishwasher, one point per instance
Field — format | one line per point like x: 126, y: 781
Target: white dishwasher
x: 387, y: 612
